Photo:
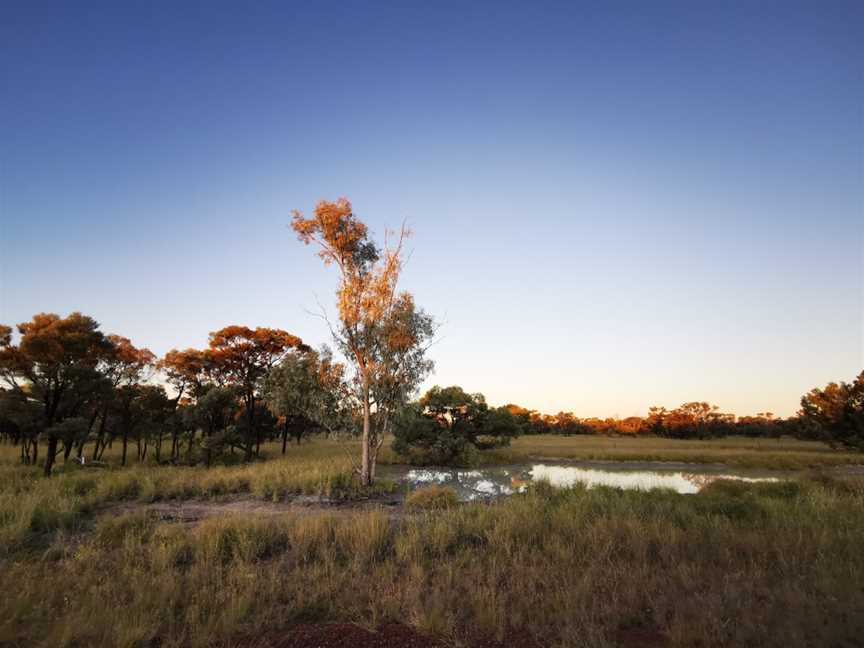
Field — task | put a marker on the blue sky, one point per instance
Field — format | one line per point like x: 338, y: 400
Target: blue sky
x: 614, y: 206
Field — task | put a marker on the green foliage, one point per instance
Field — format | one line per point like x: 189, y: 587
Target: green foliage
x: 447, y: 426
x: 836, y: 413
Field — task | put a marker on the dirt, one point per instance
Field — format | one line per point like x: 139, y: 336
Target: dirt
x: 193, y: 511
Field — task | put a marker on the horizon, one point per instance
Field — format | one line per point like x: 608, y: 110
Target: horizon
x: 611, y: 209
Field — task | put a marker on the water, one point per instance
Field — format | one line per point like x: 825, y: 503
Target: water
x: 500, y: 481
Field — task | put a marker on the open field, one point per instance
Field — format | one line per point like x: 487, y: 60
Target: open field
x: 780, y: 454
x: 769, y: 564
x: 221, y: 557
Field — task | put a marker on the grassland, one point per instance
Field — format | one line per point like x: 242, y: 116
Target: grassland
x: 779, y: 454
x: 777, y: 564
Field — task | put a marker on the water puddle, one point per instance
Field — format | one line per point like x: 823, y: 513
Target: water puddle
x: 500, y: 481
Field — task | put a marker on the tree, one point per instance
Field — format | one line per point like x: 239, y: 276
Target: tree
x: 306, y: 391
x: 380, y: 332
x: 53, y: 364
x: 127, y: 367
x: 240, y: 357
x: 214, y: 413
x: 448, y: 425
x: 186, y: 372
x: 836, y: 412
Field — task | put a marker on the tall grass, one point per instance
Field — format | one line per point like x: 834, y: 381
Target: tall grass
x: 738, y: 564
x: 32, y: 506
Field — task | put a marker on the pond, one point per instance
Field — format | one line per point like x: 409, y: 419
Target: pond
x: 498, y: 481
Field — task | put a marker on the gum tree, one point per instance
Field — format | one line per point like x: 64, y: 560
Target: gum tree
x: 381, y: 333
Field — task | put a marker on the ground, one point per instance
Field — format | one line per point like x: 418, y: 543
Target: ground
x: 291, y: 552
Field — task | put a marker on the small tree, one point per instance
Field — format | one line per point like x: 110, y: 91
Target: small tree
x: 381, y: 333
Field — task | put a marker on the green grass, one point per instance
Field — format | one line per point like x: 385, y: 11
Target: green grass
x: 780, y: 454
x: 738, y: 564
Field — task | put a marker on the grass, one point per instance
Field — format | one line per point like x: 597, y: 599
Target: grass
x: 432, y: 498
x: 774, y: 564
x: 779, y: 454
x: 738, y: 564
x: 32, y: 507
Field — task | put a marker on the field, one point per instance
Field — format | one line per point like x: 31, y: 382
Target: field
x: 780, y: 454
x: 90, y: 557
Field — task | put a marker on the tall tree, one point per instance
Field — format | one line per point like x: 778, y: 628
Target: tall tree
x: 380, y: 331
x: 240, y: 357
x: 54, y: 364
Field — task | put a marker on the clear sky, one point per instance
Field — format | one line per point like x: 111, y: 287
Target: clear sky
x: 614, y: 205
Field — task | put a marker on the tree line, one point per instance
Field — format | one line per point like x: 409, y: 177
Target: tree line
x: 834, y: 414
x: 73, y: 390
x: 77, y: 391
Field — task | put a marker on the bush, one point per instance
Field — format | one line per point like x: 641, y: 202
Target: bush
x: 432, y: 498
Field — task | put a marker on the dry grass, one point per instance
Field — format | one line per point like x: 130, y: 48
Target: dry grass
x: 32, y: 507
x: 781, y: 454
x: 740, y: 564
x: 432, y: 498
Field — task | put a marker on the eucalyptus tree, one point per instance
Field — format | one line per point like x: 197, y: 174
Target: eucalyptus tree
x: 380, y: 332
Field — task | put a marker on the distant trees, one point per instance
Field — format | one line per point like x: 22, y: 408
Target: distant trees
x: 380, y: 332
x: 65, y: 384
x: 835, y: 413
x: 448, y: 426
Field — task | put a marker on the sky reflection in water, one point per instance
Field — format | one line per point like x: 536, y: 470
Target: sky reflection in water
x: 500, y: 481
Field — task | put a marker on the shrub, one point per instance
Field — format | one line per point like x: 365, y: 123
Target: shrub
x: 432, y: 498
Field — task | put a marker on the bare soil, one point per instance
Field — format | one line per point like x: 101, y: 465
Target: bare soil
x: 193, y: 511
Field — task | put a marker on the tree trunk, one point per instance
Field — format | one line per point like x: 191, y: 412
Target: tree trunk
x: 285, y: 435
x: 366, y: 476
x: 125, y: 444
x: 49, y: 458
x: 250, y: 434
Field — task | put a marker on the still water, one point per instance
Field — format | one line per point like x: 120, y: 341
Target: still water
x: 499, y: 481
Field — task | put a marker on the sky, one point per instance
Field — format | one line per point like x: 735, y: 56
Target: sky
x: 615, y: 205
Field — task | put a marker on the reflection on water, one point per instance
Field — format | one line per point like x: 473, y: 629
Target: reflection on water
x: 506, y: 480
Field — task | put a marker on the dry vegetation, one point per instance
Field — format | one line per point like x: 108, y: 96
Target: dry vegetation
x: 781, y: 454
x: 739, y: 564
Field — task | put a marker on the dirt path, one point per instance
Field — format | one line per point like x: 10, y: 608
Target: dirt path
x: 195, y: 510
